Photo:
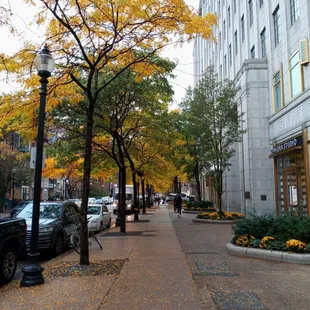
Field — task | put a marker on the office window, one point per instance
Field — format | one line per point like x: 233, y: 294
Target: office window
x: 224, y: 30
x: 253, y: 51
x: 294, y: 10
x: 296, y: 85
x: 276, y: 26
x: 229, y: 55
x: 263, y: 42
x: 225, y: 66
x: 251, y: 12
x: 228, y: 16
x: 219, y: 7
x: 235, y: 6
x: 277, y: 93
x: 236, y: 42
x: 242, y: 29
x: 221, y: 69
x: 261, y: 2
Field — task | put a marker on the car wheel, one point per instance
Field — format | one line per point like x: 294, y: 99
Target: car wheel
x: 109, y: 225
x: 8, y: 265
x: 101, y: 227
x: 58, y: 247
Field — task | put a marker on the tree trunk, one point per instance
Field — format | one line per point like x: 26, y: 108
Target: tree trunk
x: 135, y: 206
x: 84, y: 257
x: 122, y: 204
x: 148, y: 191
x: 197, y: 179
x: 143, y: 196
x: 219, y: 192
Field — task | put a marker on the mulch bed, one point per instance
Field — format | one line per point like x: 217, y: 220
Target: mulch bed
x: 74, y: 269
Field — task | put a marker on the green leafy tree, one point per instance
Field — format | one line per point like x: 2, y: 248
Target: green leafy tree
x: 212, y: 111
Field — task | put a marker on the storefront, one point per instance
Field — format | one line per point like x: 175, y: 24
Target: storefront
x: 291, y: 175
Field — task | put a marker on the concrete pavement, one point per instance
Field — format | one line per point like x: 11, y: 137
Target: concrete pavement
x: 164, y: 262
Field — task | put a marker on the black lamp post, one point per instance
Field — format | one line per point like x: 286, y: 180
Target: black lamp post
x: 44, y: 63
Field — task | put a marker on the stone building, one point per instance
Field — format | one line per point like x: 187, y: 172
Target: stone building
x: 263, y: 46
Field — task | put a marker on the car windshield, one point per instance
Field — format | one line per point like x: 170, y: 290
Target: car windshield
x: 94, y: 210
x: 47, y: 211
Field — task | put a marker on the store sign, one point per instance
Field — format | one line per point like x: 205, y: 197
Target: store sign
x: 287, y: 145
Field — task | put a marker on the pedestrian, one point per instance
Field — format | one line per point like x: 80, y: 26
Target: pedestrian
x: 178, y: 204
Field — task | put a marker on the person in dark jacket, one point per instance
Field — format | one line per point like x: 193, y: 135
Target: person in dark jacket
x: 178, y: 203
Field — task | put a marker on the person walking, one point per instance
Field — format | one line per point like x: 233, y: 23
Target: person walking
x: 178, y: 204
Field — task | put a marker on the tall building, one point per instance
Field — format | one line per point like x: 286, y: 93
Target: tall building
x: 263, y: 46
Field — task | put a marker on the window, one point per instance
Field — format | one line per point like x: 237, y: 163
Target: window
x: 228, y: 17
x: 296, y: 85
x: 225, y: 66
x: 276, y: 26
x: 277, y: 92
x: 224, y: 30
x: 242, y: 29
x: 229, y: 55
x: 221, y: 70
x: 261, y: 2
x: 263, y: 42
x: 235, y: 6
x: 253, y: 51
x: 294, y: 10
x: 236, y: 42
x: 251, y: 12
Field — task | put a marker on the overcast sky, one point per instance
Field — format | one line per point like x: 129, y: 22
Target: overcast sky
x: 24, y: 15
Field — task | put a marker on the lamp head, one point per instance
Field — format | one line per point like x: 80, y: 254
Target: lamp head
x: 44, y: 62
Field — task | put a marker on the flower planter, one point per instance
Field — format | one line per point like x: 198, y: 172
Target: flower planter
x: 279, y: 256
x: 208, y: 221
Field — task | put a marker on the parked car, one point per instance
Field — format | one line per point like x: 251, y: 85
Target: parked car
x: 99, y: 201
x: 91, y: 200
x: 184, y: 197
x: 77, y: 201
x: 107, y: 200
x: 58, y: 220
x: 12, y: 243
x: 19, y: 207
x: 170, y: 197
x: 99, y: 217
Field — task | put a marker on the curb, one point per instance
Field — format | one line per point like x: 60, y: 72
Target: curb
x: 214, y: 221
x: 279, y: 256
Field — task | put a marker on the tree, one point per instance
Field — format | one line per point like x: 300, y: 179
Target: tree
x: 212, y: 110
x: 91, y: 37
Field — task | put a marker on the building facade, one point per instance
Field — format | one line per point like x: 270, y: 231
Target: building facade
x: 263, y: 46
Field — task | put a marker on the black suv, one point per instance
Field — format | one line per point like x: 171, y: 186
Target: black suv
x: 58, y: 220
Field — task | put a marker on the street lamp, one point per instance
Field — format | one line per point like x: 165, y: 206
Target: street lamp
x: 44, y: 63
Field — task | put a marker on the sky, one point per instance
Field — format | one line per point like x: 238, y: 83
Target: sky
x: 181, y: 55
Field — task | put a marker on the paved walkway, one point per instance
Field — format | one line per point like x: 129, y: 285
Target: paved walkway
x: 165, y: 262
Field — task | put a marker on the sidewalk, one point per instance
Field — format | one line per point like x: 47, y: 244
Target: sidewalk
x: 164, y: 263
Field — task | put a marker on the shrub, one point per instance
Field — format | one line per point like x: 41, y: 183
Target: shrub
x: 266, y: 242
x: 232, y: 215
x: 257, y: 226
x: 244, y: 240
x: 200, y: 204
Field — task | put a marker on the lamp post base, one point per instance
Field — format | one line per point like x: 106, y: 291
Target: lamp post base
x: 32, y: 272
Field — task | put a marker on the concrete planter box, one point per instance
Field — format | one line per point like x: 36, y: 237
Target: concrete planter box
x: 278, y: 256
x: 214, y: 221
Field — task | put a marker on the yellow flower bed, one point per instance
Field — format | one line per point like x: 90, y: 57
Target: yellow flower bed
x: 215, y: 215
x: 244, y: 240
x: 264, y: 242
x: 296, y: 245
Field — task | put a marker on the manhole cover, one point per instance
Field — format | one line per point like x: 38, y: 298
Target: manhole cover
x: 237, y: 301
x: 99, y: 268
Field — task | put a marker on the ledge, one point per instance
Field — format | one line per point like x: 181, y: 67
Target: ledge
x: 278, y: 256
x: 214, y: 221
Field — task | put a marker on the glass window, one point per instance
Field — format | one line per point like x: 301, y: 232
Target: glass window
x: 263, y: 42
x: 94, y: 210
x: 230, y: 55
x: 295, y: 75
x: 253, y: 51
x: 251, y: 12
x: 276, y: 26
x: 235, y: 6
x: 294, y: 10
x: 242, y: 28
x: 228, y: 13
x: 236, y: 42
x: 261, y: 2
x: 47, y: 211
x: 224, y: 30
x: 277, y: 94
x: 225, y: 66
x: 220, y: 40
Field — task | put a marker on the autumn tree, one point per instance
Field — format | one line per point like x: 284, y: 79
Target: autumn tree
x: 91, y: 37
x: 212, y: 109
